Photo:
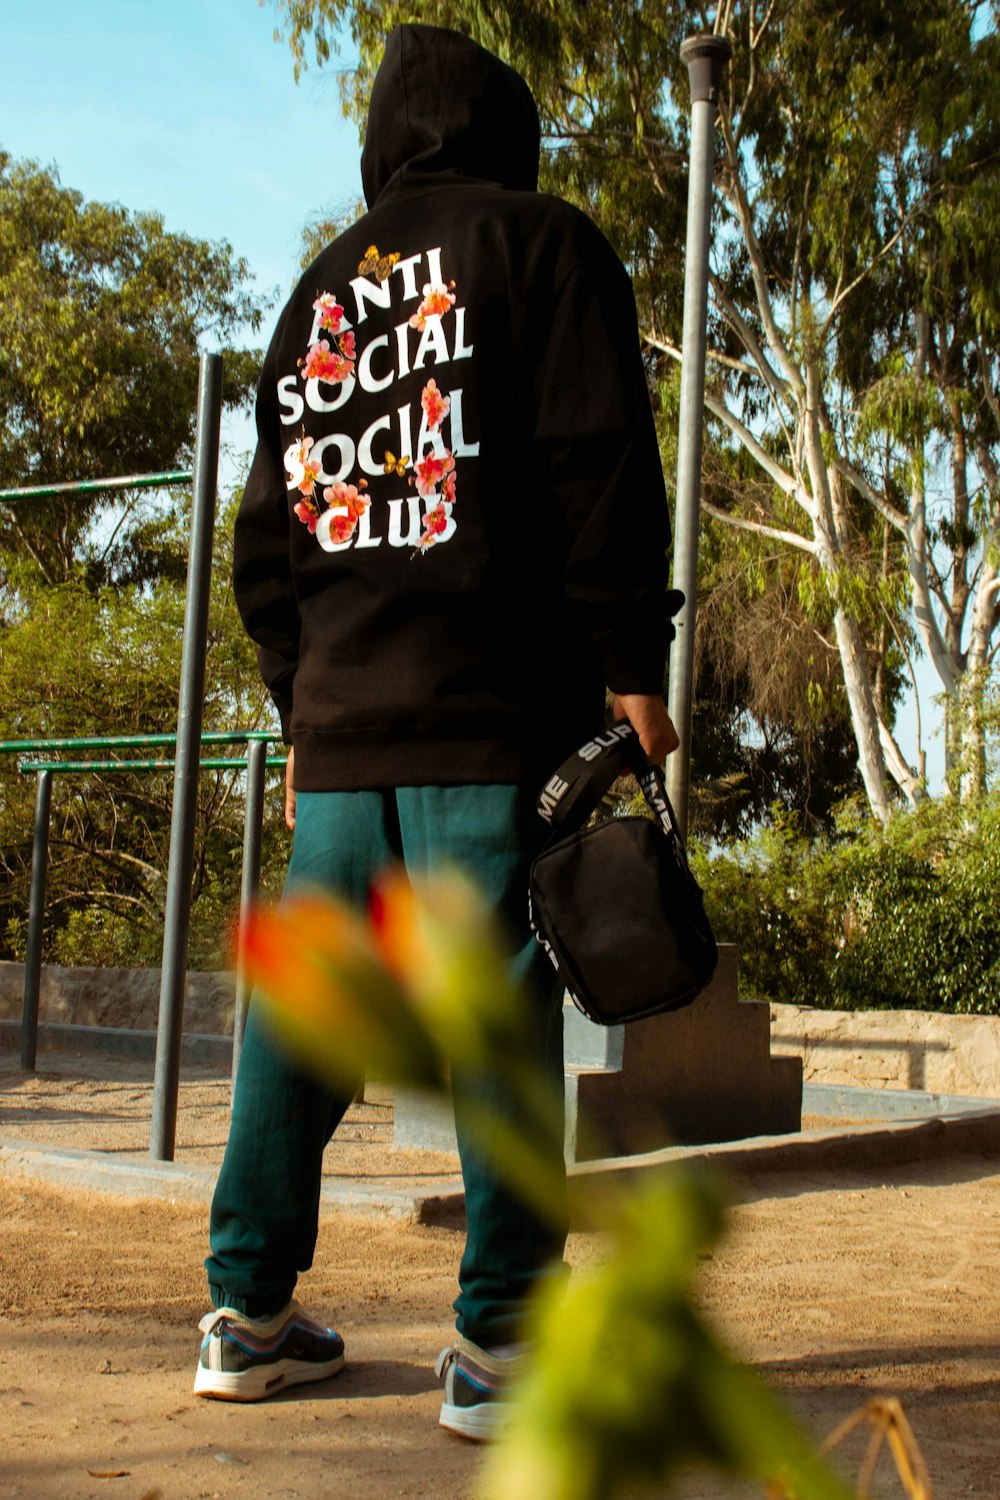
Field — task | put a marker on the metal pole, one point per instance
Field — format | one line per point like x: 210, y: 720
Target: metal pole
x: 178, y: 904
x: 36, y: 909
x: 96, y: 486
x: 253, y: 820
x: 131, y: 741
x: 705, y: 57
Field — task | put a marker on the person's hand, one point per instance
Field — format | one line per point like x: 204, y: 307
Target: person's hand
x: 290, y: 788
x: 647, y: 713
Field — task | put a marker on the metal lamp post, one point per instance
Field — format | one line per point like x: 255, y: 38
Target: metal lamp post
x: 705, y: 58
x: 178, y: 906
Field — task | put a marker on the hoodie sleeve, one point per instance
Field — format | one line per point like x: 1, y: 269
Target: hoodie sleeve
x: 262, y: 580
x: 594, y: 427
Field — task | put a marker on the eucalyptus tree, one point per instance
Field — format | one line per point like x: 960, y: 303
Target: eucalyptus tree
x: 852, y: 157
x: 102, y: 313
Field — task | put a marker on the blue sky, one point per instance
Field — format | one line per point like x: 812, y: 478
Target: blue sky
x: 189, y: 107
x: 184, y: 106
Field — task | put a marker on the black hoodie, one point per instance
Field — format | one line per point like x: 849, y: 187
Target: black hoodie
x: 454, y: 530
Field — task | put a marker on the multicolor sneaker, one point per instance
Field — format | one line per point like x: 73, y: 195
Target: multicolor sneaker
x: 477, y: 1387
x: 247, y: 1359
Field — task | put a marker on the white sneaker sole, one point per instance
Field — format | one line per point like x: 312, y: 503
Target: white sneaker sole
x: 261, y: 1381
x: 480, y: 1424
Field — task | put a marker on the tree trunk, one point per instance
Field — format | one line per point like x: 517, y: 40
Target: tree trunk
x: 832, y: 530
x: 971, y: 712
x: 871, y: 762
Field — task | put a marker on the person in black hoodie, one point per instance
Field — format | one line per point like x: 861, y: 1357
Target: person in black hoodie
x: 452, y: 539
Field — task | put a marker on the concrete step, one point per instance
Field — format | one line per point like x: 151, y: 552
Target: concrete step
x: 699, y: 1075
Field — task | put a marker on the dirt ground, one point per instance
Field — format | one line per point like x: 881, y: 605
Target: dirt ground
x: 837, y: 1287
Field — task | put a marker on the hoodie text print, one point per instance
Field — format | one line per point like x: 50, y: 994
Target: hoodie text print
x: 454, y: 530
x: 395, y: 341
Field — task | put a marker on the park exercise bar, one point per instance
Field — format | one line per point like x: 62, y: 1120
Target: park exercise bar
x: 45, y: 770
x: 33, y: 956
x: 704, y: 57
x: 94, y: 486
x: 79, y: 767
x: 253, y: 822
x: 178, y: 905
x: 132, y: 741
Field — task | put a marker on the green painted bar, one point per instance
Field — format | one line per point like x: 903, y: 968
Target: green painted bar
x: 96, y: 486
x: 135, y: 741
x: 81, y: 767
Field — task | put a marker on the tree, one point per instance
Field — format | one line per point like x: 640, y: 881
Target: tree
x: 102, y: 313
x: 929, y: 423
x: 830, y: 124
x: 80, y: 662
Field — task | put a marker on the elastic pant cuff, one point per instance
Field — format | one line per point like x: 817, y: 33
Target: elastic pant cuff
x: 250, y: 1307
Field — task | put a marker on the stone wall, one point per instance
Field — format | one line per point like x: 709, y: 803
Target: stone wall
x: 118, y: 997
x: 895, y: 1049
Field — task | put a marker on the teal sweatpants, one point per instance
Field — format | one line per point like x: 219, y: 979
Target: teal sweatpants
x: 265, y: 1209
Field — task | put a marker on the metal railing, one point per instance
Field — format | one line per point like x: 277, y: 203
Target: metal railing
x: 255, y: 765
x: 98, y: 486
x: 203, y: 479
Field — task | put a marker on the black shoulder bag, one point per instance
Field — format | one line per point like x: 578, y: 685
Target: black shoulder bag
x: 616, y: 905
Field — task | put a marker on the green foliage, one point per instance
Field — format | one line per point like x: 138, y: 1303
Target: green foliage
x: 772, y: 895
x: 812, y: 143
x: 78, y: 662
x: 921, y: 913
x: 102, y: 313
x: 771, y: 720
x: 902, y: 918
x: 629, y: 1387
x: 627, y: 1383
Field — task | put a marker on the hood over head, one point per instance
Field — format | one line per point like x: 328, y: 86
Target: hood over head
x: 440, y: 103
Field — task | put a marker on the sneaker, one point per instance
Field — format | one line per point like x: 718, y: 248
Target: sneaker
x: 246, y: 1359
x: 477, y: 1388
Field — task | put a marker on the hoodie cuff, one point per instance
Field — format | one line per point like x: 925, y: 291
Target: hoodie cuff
x: 637, y: 662
x: 284, y: 707
x: 635, y: 654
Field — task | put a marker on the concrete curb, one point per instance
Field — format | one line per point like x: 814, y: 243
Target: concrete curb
x: 96, y: 1172
x: 842, y: 1101
x: 862, y: 1146
x: 198, y: 1049
x: 440, y: 1201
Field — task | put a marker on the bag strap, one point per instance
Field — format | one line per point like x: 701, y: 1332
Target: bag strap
x: 569, y: 797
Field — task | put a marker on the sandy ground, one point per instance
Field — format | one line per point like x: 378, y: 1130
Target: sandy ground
x: 838, y: 1287
x: 94, y: 1103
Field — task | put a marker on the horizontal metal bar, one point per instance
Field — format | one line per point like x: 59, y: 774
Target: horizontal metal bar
x: 95, y: 486
x: 80, y: 767
x: 136, y: 741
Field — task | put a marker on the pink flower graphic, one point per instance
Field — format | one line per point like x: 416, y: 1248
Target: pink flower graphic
x: 332, y: 312
x: 335, y: 529
x: 302, y: 470
x: 436, y: 406
x: 341, y: 496
x: 438, y: 299
x: 308, y: 515
x: 346, y: 344
x: 321, y: 363
x: 448, y: 488
x: 431, y: 470
x: 435, y: 522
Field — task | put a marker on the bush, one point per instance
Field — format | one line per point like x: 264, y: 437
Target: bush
x: 902, y: 918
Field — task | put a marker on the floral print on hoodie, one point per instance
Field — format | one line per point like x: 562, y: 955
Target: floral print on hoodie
x: 434, y: 473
